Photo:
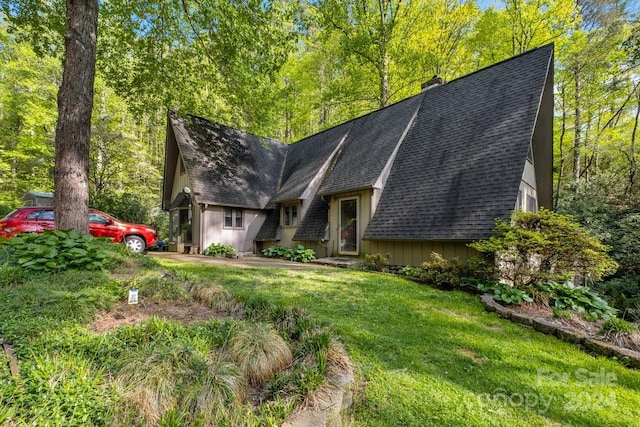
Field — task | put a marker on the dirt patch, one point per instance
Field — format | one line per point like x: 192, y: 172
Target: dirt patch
x: 126, y: 314
x: 471, y: 355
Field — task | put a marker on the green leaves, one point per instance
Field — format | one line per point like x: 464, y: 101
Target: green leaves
x: 218, y: 249
x: 299, y: 254
x: 566, y: 296
x: 505, y: 293
x: 544, y: 246
x: 54, y: 251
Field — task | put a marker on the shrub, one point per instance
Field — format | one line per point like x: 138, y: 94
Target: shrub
x: 566, y: 296
x: 376, y: 262
x: 218, y: 249
x: 442, y: 272
x: 298, y: 254
x: 538, y: 247
x: 623, y: 293
x: 56, y: 250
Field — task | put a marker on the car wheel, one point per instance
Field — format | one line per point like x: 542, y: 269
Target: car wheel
x: 135, y: 244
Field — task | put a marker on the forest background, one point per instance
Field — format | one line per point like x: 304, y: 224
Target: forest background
x: 287, y: 69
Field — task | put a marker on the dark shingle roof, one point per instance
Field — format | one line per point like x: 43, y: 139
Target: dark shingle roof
x: 227, y: 166
x: 314, y: 224
x: 305, y: 158
x: 269, y: 229
x: 369, y: 146
x: 460, y: 166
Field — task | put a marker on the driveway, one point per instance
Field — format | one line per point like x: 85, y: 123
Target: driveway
x: 242, y: 262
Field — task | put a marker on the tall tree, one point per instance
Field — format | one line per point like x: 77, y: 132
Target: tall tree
x: 75, y: 104
x: 366, y: 29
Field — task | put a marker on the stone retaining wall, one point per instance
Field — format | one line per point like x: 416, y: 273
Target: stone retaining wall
x: 328, y: 403
x: 632, y: 358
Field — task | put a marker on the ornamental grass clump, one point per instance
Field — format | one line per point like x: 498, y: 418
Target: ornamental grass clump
x: 621, y: 333
x: 259, y: 351
x: 162, y: 380
x: 215, y: 297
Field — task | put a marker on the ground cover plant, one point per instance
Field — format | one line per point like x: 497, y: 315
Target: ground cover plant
x: 429, y: 357
x: 187, y: 354
x: 218, y: 249
x: 299, y: 253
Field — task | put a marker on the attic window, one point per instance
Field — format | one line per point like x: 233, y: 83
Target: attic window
x: 233, y: 218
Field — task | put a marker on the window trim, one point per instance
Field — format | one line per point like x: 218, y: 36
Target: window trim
x: 235, y: 214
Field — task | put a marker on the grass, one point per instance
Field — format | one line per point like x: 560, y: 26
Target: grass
x: 188, y: 354
x: 429, y: 357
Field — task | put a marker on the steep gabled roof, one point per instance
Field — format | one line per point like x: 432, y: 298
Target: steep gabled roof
x: 460, y: 166
x: 369, y: 146
x: 270, y: 226
x: 227, y: 166
x: 305, y: 159
x: 314, y: 224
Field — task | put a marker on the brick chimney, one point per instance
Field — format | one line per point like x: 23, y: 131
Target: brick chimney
x: 432, y: 82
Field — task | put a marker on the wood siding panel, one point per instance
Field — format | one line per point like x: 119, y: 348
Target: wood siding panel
x: 241, y: 240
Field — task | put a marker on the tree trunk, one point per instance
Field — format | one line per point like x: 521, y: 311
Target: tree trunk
x: 383, y: 72
x: 633, y: 164
x: 576, y: 140
x: 73, y: 130
x: 561, y: 147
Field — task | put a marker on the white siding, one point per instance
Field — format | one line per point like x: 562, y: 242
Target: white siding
x: 527, y: 187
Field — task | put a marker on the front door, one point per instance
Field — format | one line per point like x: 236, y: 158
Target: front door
x: 349, y: 232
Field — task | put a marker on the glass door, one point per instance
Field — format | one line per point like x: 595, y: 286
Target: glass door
x: 349, y: 240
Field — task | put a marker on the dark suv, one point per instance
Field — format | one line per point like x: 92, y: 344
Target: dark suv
x: 36, y: 219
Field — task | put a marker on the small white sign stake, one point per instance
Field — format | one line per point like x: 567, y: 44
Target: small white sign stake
x: 133, y: 296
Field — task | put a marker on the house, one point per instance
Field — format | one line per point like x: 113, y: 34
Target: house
x: 429, y: 173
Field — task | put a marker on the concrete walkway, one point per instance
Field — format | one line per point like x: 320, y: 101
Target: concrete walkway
x: 241, y: 262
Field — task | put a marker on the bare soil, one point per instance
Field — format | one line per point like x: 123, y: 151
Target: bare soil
x: 130, y: 314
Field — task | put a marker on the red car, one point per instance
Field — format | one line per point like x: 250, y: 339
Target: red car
x: 36, y: 219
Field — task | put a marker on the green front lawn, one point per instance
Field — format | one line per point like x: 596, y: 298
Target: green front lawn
x: 429, y: 357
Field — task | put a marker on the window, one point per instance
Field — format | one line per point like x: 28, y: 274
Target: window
x: 97, y: 218
x: 46, y: 216
x: 290, y: 215
x: 233, y: 218
x: 33, y: 215
x: 532, y: 204
x: 519, y: 201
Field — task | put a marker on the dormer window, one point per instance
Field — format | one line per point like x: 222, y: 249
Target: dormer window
x: 290, y: 215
